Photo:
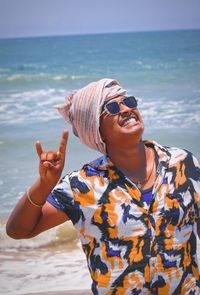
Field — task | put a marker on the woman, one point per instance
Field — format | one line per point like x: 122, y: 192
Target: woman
x: 136, y: 208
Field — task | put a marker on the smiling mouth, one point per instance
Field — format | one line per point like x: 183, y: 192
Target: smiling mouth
x: 132, y: 119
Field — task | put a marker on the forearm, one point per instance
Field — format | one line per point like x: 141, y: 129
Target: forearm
x: 25, y: 215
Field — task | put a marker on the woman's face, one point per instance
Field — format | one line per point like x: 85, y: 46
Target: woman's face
x: 120, y: 129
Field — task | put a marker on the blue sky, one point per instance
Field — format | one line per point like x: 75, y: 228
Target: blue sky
x: 20, y: 18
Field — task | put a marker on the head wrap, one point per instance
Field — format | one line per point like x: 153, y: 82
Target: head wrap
x: 83, y: 109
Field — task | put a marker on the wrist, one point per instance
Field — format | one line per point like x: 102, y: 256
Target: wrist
x: 32, y: 202
x: 39, y: 191
x: 46, y: 186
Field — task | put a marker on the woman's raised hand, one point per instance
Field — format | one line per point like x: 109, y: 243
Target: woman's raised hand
x: 52, y: 162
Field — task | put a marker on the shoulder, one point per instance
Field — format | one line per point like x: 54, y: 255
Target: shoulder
x: 96, y: 167
x: 81, y: 178
x: 172, y: 153
x: 177, y: 153
x: 183, y: 160
x: 181, y: 155
x: 176, y: 157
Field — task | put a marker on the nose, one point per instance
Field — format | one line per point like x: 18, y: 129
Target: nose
x: 123, y: 108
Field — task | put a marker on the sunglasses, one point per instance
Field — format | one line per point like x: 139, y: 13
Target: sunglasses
x: 113, y: 107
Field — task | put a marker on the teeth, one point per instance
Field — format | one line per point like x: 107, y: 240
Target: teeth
x: 132, y: 119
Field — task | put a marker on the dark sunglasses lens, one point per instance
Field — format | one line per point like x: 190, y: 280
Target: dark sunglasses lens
x: 113, y: 108
x: 130, y: 102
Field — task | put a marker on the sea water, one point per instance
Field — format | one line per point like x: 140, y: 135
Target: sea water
x: 161, y: 68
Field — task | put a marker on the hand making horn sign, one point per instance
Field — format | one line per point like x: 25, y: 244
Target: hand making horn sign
x: 52, y: 162
x: 33, y: 214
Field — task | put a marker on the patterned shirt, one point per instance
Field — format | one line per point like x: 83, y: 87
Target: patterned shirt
x: 132, y: 247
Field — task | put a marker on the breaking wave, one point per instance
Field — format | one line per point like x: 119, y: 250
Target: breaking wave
x: 38, y: 106
x: 62, y: 235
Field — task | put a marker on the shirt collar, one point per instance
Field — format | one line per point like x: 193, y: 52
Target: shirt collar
x: 104, y: 163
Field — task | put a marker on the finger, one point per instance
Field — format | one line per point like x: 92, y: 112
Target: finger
x: 48, y: 165
x: 38, y: 148
x: 57, y: 155
x: 43, y: 157
x: 63, y: 143
x: 51, y: 156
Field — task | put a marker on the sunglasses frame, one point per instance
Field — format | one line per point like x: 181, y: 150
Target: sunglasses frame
x: 105, y: 109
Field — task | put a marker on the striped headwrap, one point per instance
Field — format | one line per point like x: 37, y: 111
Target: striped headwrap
x: 83, y: 108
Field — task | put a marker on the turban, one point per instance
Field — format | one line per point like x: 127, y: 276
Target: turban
x: 83, y: 109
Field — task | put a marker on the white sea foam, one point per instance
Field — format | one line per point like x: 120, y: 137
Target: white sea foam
x: 38, y: 106
x: 51, y: 261
x: 4, y: 70
x: 39, y: 271
x: 60, y: 77
x: 25, y: 77
x: 36, y: 77
x: 32, y: 66
x: 165, y: 113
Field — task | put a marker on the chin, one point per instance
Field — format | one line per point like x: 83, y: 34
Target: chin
x: 135, y: 132
x: 133, y: 129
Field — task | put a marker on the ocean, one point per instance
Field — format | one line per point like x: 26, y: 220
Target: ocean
x: 162, y: 68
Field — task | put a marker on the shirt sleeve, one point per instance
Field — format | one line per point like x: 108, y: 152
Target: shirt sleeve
x: 62, y: 198
x: 196, y: 185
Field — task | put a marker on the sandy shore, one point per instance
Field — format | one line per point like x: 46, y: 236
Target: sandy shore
x: 68, y: 292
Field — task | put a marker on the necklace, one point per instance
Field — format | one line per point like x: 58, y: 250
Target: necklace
x: 141, y: 183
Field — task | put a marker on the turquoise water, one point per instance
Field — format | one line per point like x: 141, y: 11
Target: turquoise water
x: 163, y: 68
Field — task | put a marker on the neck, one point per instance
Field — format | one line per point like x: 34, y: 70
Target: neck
x: 132, y: 161
x: 137, y: 163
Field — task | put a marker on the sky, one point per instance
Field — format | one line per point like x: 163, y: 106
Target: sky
x: 23, y: 18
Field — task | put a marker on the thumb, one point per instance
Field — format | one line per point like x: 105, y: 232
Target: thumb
x: 48, y: 165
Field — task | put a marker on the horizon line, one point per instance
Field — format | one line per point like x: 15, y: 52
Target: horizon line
x: 98, y: 33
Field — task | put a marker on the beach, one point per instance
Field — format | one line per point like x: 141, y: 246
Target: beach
x: 161, y: 69
x: 78, y: 292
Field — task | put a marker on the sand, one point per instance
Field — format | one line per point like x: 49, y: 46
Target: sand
x: 68, y: 292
